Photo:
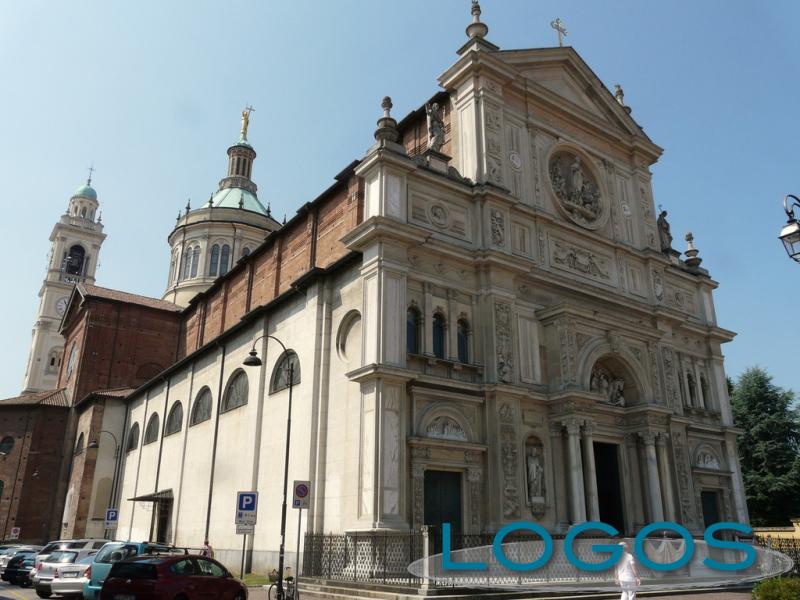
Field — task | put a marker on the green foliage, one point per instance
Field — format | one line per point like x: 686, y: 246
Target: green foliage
x: 777, y: 589
x: 768, y: 448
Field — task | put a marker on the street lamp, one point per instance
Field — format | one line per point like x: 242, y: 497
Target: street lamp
x: 790, y: 234
x: 254, y: 361
x: 96, y: 444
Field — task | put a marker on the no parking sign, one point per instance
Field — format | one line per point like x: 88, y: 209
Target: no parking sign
x: 302, y: 494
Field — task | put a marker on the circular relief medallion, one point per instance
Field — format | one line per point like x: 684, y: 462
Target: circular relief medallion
x: 576, y: 188
x: 438, y: 215
x: 515, y: 159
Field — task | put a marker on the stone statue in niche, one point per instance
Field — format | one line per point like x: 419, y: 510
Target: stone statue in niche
x: 611, y: 388
x: 576, y: 188
x: 445, y: 428
x: 664, y: 235
x: 535, y: 470
x: 435, y: 127
x: 498, y: 228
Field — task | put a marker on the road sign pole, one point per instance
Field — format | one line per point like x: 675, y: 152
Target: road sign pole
x: 297, y: 557
x: 244, y: 545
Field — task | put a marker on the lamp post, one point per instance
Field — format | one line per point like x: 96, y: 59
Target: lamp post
x: 253, y: 361
x: 790, y: 234
x: 96, y: 444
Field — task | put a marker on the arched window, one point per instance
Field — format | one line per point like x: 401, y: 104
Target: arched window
x: 245, y: 251
x: 6, y: 445
x: 412, y: 330
x: 79, y: 444
x: 151, y: 433
x: 236, y: 392
x: 175, y: 419
x: 201, y: 411
x: 133, y: 438
x: 438, y: 335
x: 692, y: 389
x: 73, y: 264
x: 224, y: 259
x: 463, y: 340
x: 195, y: 260
x: 214, y: 265
x: 280, y: 376
x: 187, y: 263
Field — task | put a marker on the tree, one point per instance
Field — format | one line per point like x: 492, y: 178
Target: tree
x: 768, y: 448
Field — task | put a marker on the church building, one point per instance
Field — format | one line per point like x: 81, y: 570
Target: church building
x: 484, y: 315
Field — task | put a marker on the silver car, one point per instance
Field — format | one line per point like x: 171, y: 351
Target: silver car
x: 44, y: 570
x: 69, y: 579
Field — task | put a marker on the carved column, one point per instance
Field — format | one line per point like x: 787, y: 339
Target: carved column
x: 665, y: 472
x: 560, y: 502
x: 651, y: 467
x: 590, y: 473
x: 418, y: 493
x: 578, y: 507
x: 635, y: 482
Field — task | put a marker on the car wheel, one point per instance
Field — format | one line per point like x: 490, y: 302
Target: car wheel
x: 43, y: 594
x: 239, y: 596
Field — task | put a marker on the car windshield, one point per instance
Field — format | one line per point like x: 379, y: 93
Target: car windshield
x: 62, y: 556
x: 51, y: 547
x: 111, y: 553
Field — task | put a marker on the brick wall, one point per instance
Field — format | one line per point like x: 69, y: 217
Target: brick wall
x: 311, y: 239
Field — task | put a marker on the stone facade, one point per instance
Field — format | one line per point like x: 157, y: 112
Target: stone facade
x: 496, y: 314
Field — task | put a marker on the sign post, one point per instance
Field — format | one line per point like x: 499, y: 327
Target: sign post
x: 246, y: 511
x: 301, y: 500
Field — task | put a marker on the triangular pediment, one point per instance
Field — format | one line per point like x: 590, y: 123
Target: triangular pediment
x: 561, y: 73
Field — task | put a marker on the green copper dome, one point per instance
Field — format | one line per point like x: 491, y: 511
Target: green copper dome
x: 237, y: 198
x: 85, y: 191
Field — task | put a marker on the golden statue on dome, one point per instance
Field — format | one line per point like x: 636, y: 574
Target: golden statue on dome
x: 246, y: 120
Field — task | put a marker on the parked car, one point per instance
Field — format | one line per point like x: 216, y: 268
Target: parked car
x: 18, y: 569
x: 85, y: 544
x: 43, y: 573
x: 187, y: 576
x: 69, y: 579
x: 11, y: 551
x: 114, y: 552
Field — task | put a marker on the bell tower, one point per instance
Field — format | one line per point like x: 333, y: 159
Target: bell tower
x: 75, y: 247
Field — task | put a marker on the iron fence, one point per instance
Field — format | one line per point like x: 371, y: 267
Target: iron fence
x: 788, y: 546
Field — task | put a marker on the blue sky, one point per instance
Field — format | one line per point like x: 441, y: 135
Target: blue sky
x: 151, y: 92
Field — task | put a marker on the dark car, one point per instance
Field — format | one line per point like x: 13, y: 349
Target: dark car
x: 18, y: 569
x: 186, y: 576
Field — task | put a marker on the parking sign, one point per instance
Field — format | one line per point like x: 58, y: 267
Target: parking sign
x: 112, y: 516
x: 14, y: 533
x: 302, y: 494
x: 246, y: 508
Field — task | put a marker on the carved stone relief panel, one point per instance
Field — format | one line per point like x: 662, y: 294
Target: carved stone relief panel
x: 507, y: 415
x: 437, y: 215
x: 445, y: 428
x: 475, y: 483
x: 514, y: 156
x: 681, y: 457
x: 577, y: 189
x: 681, y: 298
x: 568, y: 353
x: 533, y: 140
x: 584, y: 262
x: 494, y: 144
x: 534, y: 475
x: 646, y: 206
x: 503, y: 344
x: 671, y: 377
x: 658, y: 285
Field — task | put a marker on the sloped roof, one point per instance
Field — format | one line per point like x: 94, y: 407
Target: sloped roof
x: 122, y: 392
x: 94, y: 291
x: 46, y: 398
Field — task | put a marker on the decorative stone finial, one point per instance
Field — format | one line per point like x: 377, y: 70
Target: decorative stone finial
x: 241, y: 199
x: 211, y: 201
x: 476, y: 29
x: 100, y: 217
x: 91, y: 171
x: 188, y: 205
x: 284, y: 219
x: 178, y: 218
x: 269, y: 210
x: 692, y: 258
x: 561, y: 29
x: 387, y: 126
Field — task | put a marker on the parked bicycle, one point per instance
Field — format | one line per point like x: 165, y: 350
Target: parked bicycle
x: 290, y: 591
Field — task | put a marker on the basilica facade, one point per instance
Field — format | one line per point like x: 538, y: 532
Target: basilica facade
x: 486, y: 319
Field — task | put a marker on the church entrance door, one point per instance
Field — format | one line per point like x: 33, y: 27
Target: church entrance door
x: 609, y: 493
x: 710, y: 502
x: 443, y: 505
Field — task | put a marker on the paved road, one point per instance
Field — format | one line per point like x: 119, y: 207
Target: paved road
x: 13, y: 592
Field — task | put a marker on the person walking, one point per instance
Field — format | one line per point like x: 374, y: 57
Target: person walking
x: 207, y: 550
x: 626, y: 575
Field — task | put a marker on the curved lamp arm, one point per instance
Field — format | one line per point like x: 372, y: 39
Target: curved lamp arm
x: 789, y: 206
x: 252, y: 360
x: 96, y: 444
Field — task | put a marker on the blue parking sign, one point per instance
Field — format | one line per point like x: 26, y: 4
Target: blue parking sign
x: 112, y: 516
x: 246, y: 507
